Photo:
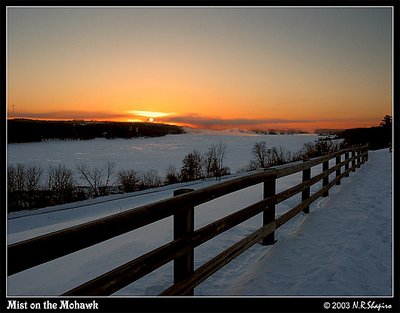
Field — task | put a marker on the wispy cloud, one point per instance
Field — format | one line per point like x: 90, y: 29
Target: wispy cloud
x: 195, y: 120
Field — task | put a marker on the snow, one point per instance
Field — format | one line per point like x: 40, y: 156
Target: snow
x: 342, y: 247
x: 147, y: 153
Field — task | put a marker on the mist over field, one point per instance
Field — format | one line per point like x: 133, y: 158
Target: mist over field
x: 149, y: 153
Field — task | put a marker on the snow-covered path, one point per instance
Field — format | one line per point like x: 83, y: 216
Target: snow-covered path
x: 342, y: 248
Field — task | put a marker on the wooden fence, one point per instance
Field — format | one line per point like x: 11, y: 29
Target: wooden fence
x: 41, y: 249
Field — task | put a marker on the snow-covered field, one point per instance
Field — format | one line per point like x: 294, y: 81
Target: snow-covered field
x: 343, y: 247
x: 148, y: 153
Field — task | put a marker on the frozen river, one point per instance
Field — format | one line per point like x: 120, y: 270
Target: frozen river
x: 148, y: 153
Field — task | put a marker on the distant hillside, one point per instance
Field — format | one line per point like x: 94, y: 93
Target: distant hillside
x: 26, y: 130
x: 328, y: 131
x: 278, y: 132
x: 376, y: 137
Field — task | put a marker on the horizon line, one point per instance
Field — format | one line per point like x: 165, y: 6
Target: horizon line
x: 185, y: 126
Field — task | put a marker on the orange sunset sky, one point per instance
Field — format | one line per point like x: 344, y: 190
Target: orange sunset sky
x: 204, y: 67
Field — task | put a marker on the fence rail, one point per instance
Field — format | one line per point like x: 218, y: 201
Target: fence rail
x: 41, y: 249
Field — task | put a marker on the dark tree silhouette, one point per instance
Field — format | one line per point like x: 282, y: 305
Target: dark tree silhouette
x: 25, y: 130
x: 378, y: 137
x: 128, y: 180
x: 387, y: 121
x: 214, y: 160
x: 261, y: 155
x: 98, y: 178
x: 60, y: 184
x: 172, y: 176
x: 150, y: 179
x: 191, y: 168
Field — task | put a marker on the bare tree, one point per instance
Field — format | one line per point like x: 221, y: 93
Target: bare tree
x: 33, y: 175
x: 150, y: 179
x: 277, y: 156
x: 325, y: 147
x: 109, y: 169
x: 16, y: 177
x: 23, y: 186
x: 319, y: 148
x: 128, y: 180
x: 214, y: 160
x: 16, y: 188
x: 11, y: 178
x: 98, y: 178
x: 208, y: 160
x: 172, y: 175
x: 309, y: 150
x: 261, y: 155
x: 91, y: 178
x: 60, y: 184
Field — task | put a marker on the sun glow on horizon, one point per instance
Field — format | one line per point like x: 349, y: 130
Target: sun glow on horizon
x: 233, y: 68
x: 149, y: 114
x: 196, y: 121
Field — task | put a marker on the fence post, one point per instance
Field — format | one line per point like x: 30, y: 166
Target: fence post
x: 325, y: 181
x: 269, y: 212
x: 306, y: 193
x: 183, y: 226
x: 359, y: 158
x: 353, y: 163
x: 338, y: 160
x: 365, y: 155
x: 346, y: 166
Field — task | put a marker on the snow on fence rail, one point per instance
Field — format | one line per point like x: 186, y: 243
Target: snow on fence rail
x: 44, y: 248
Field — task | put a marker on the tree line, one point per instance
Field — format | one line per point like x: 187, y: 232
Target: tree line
x: 29, y: 186
x: 264, y: 157
x: 26, y: 130
x: 377, y: 137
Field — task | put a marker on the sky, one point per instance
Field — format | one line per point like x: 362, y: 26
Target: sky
x: 203, y: 67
